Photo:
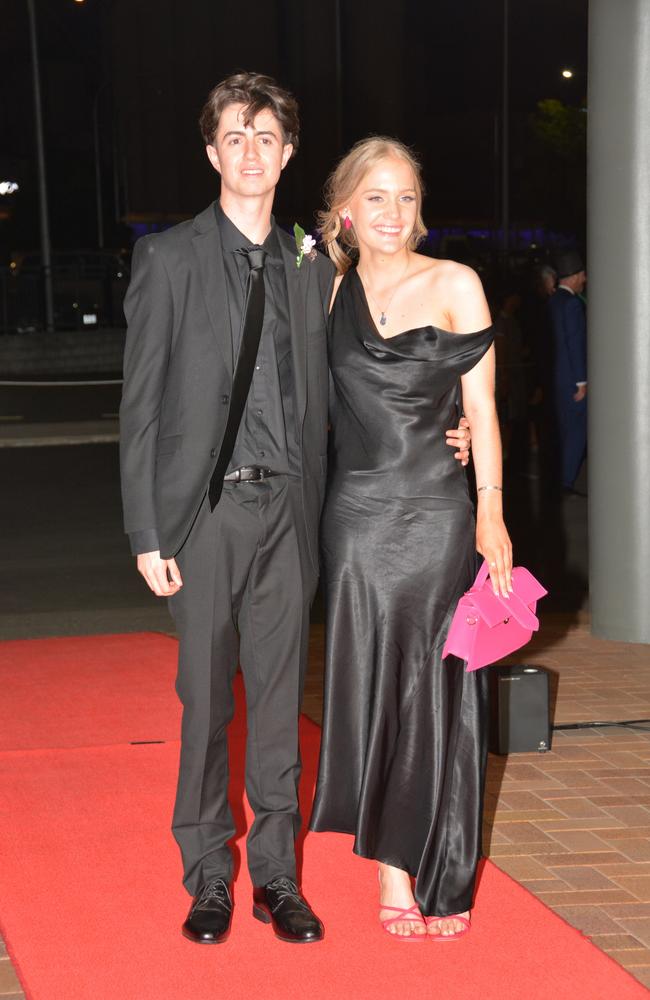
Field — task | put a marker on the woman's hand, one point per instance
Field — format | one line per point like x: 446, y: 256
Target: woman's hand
x: 460, y: 438
x: 493, y: 542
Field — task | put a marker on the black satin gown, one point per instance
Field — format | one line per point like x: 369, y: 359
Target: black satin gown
x: 404, y: 733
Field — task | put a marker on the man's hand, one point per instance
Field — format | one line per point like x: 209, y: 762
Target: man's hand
x: 162, y: 575
x: 461, y: 439
x: 581, y: 393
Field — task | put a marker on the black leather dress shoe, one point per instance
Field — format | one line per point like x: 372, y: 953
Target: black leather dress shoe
x: 208, y: 921
x: 280, y: 903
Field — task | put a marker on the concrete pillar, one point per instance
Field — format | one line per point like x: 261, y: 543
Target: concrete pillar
x: 619, y: 318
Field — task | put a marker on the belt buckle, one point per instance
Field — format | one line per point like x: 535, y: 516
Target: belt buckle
x: 251, y: 474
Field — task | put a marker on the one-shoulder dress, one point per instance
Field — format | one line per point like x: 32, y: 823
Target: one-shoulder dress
x: 403, y: 749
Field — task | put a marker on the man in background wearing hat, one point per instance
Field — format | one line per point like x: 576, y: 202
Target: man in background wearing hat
x: 570, y: 365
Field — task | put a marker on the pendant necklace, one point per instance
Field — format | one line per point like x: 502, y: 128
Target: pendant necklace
x: 383, y: 318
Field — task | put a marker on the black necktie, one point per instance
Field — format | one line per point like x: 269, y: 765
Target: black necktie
x: 250, y: 342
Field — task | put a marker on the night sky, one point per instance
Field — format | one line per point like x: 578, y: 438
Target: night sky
x: 427, y: 71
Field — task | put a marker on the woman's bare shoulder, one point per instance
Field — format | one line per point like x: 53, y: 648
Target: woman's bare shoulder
x: 451, y: 273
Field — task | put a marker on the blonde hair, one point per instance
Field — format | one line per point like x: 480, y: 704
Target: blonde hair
x: 344, y: 181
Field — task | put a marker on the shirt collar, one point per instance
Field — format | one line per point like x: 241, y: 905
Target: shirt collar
x: 232, y: 239
x: 566, y: 288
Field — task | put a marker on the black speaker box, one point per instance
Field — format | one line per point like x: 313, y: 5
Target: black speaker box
x: 519, y: 710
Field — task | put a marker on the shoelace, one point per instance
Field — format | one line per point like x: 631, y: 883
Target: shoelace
x: 286, y: 889
x: 215, y: 890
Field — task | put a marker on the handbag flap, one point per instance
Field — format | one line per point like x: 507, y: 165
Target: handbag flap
x: 488, y: 605
x: 494, y: 609
x: 526, y: 586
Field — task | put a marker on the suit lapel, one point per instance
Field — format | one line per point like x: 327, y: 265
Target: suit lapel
x: 207, y: 246
x: 297, y: 285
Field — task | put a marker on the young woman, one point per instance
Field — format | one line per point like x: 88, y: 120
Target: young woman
x: 403, y: 750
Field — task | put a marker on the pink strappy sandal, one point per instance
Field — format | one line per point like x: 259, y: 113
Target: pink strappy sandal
x: 413, y: 914
x: 448, y: 937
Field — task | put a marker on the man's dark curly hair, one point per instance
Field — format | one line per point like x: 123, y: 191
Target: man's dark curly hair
x: 256, y: 92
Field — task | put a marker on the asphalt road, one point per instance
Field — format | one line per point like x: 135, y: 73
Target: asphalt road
x: 45, y: 403
x: 66, y: 567
x: 65, y: 563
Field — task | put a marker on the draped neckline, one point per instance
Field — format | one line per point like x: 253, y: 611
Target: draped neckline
x: 404, y: 333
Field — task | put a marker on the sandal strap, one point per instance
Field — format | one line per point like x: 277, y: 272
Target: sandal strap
x: 436, y: 920
x: 403, y: 914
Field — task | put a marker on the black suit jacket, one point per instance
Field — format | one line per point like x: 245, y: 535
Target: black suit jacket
x: 178, y: 377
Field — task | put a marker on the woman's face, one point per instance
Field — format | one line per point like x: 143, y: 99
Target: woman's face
x: 383, y: 209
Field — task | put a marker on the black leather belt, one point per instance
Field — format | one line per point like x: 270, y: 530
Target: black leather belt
x: 249, y: 474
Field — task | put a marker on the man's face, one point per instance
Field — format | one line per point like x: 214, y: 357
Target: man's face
x: 250, y: 158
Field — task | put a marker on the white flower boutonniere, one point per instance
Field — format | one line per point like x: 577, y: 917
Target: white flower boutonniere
x: 305, y: 245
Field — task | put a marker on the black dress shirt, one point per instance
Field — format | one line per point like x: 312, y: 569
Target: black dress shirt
x: 267, y: 433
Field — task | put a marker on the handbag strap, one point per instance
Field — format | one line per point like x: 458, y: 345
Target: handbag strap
x: 482, y: 575
x: 514, y: 606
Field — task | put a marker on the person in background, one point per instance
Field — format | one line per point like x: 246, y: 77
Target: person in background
x: 569, y: 332
x: 511, y: 387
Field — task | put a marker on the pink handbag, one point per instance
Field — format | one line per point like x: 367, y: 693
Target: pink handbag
x: 486, y: 627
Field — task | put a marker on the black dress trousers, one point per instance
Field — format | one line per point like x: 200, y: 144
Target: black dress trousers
x: 247, y: 588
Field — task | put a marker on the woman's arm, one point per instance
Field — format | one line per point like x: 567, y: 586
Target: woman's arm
x: 469, y: 313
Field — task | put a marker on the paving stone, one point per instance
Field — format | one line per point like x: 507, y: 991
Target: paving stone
x: 578, y: 808
x: 525, y: 816
x: 624, y: 868
x: 634, y: 849
x: 630, y: 815
x: 628, y: 833
x: 604, y: 823
x: 621, y: 942
x: 619, y: 910
x: 521, y: 833
x: 589, y: 919
x: 579, y: 897
x: 594, y: 859
x: 643, y: 975
x: 635, y: 960
x: 620, y: 800
x: 581, y: 841
x: 638, y: 927
x: 621, y: 759
x: 526, y: 868
x: 521, y: 800
x: 537, y: 885
x: 582, y: 877
x: 523, y: 850
x: 9, y: 982
x: 626, y: 786
x: 578, y: 753
x: 637, y: 885
x: 554, y: 796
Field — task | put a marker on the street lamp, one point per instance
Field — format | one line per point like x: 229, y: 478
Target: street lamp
x: 46, y: 246
x: 567, y: 74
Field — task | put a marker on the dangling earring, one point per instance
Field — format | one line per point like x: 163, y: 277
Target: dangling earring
x: 347, y: 222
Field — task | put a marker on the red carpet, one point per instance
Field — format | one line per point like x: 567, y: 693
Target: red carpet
x: 90, y: 901
x: 88, y: 691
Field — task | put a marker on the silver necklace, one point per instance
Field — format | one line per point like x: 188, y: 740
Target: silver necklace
x: 383, y: 319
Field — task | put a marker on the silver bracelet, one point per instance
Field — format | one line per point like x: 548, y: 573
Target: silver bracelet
x: 499, y: 488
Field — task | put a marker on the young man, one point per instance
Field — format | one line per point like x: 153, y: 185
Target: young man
x: 223, y: 472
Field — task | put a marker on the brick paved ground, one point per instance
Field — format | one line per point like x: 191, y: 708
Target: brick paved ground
x: 572, y: 825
